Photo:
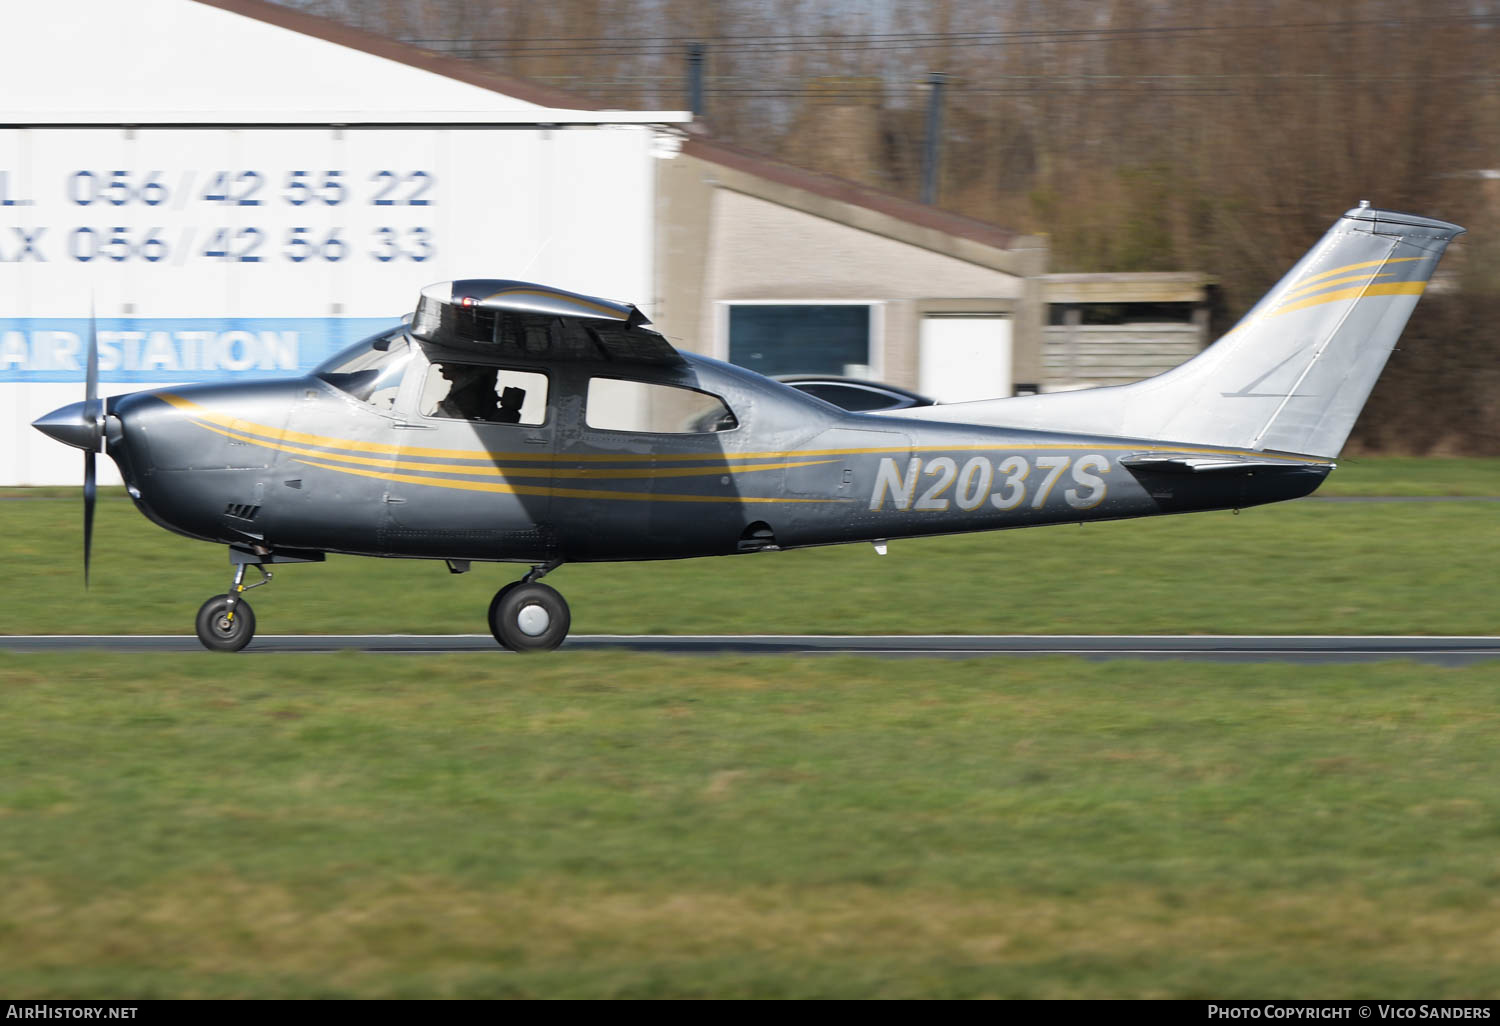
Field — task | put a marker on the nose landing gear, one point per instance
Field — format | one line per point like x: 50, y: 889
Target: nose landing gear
x: 526, y: 616
x: 226, y: 623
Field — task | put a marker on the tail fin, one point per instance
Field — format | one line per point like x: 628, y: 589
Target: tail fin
x: 1292, y: 376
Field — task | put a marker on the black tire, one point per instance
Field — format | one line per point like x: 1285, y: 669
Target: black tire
x: 495, y: 610
x: 219, y: 633
x: 529, y: 617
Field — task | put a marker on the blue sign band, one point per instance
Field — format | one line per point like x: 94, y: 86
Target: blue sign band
x: 176, y: 349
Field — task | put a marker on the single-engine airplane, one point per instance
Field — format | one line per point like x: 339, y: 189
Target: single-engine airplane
x: 513, y: 422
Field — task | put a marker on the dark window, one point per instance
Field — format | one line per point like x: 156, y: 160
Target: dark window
x: 799, y: 339
x: 466, y: 391
x: 1122, y: 313
x: 854, y: 398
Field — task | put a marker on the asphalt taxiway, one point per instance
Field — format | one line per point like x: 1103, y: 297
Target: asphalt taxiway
x: 1283, y: 648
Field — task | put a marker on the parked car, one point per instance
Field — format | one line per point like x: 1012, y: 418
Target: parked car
x: 855, y: 395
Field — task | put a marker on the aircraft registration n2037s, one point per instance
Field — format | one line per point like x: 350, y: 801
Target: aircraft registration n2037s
x: 513, y: 422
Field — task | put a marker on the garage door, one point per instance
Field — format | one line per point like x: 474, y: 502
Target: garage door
x: 965, y: 358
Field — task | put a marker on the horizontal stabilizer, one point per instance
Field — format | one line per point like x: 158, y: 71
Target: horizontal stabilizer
x: 1197, y: 463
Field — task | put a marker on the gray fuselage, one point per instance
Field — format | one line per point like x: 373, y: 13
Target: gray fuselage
x: 303, y: 466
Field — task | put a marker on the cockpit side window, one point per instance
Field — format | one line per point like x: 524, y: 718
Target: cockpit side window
x: 615, y: 404
x: 372, y: 370
x: 499, y: 395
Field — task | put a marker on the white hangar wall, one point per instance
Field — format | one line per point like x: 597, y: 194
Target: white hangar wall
x: 208, y: 254
x: 787, y: 271
x: 764, y: 252
x: 248, y: 208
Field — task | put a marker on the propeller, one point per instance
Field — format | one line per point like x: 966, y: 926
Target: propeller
x: 94, y: 414
x: 81, y: 425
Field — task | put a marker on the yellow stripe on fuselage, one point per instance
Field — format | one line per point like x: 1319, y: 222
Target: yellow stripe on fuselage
x: 503, y: 471
x: 557, y: 493
x: 250, y: 428
x: 259, y: 434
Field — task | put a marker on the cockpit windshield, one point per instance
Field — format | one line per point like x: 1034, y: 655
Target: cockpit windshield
x: 370, y: 370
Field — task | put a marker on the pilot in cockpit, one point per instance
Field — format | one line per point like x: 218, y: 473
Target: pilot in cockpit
x: 471, y: 393
x: 510, y: 405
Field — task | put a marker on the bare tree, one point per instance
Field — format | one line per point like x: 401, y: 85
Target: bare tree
x: 1138, y: 134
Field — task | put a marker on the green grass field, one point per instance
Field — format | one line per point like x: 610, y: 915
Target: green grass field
x: 647, y: 826
x: 1299, y: 568
x: 633, y: 825
x: 1410, y: 475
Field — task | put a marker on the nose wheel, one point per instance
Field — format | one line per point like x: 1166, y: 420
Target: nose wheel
x: 226, y: 623
x: 526, y: 616
x: 225, y: 627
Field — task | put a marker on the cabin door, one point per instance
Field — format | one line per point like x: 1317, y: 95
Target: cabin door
x: 473, y: 472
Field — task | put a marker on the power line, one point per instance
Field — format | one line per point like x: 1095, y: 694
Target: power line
x: 581, y: 46
x: 730, y: 83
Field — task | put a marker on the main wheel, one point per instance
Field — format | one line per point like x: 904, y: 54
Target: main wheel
x: 529, y: 617
x: 495, y: 610
x: 221, y: 632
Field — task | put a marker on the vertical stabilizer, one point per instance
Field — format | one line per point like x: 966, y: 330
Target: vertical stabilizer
x: 1292, y: 376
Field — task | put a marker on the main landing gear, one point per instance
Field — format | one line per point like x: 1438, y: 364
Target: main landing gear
x: 226, y: 623
x: 526, y: 616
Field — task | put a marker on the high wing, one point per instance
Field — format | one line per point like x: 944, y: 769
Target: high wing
x: 529, y: 323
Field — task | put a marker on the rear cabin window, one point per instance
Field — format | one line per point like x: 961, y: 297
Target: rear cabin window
x: 615, y: 404
x: 494, y: 395
x: 852, y: 397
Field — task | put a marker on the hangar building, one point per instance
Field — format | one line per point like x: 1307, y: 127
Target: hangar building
x: 236, y: 189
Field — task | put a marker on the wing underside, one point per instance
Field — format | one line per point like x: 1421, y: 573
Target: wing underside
x: 526, y: 323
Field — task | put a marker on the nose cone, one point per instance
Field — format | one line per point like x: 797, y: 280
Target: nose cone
x: 72, y: 425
